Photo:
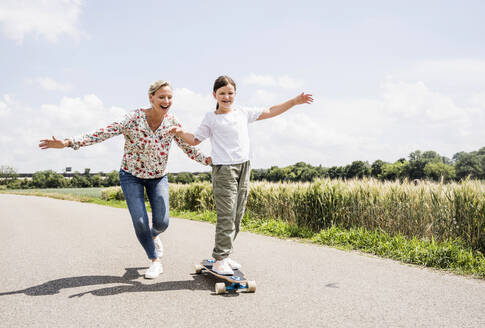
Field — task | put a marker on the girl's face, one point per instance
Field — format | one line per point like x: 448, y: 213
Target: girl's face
x: 162, y: 99
x: 225, y: 96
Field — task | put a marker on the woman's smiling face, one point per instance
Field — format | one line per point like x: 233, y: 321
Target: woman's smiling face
x: 225, y: 96
x: 162, y: 99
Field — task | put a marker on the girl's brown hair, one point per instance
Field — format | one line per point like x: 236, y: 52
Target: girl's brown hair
x: 222, y: 81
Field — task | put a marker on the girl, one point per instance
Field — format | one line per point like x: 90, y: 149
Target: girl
x: 147, y: 143
x: 227, y: 128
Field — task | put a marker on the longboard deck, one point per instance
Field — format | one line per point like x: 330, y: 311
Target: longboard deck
x: 237, y: 277
x: 237, y: 280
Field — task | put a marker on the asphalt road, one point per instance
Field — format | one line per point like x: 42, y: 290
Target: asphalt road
x: 68, y: 264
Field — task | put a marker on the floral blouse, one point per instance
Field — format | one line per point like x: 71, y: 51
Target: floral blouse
x: 146, y: 152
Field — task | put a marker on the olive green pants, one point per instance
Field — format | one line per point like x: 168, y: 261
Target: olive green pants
x: 230, y: 184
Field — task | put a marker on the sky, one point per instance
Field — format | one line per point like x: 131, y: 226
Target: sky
x: 388, y: 77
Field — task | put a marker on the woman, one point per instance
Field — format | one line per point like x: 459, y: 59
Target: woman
x: 147, y: 144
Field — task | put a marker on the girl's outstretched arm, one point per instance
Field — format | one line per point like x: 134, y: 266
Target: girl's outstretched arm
x: 303, y: 98
x: 185, y: 136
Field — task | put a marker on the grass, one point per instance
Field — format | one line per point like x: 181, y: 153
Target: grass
x: 451, y: 254
x: 78, y: 194
x: 84, y: 195
x: 427, y: 210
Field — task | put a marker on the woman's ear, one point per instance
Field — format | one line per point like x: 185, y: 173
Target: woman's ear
x: 150, y: 96
x: 214, y: 94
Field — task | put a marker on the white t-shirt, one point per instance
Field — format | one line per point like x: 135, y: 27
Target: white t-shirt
x: 228, y: 134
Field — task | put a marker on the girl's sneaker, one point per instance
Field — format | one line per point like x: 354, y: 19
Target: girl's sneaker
x: 222, y: 267
x: 154, y: 270
x: 158, y: 246
x: 234, y: 265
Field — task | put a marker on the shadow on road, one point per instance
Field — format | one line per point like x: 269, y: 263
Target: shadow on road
x: 128, y: 281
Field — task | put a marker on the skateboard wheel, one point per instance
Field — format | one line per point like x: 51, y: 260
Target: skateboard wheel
x: 251, y: 286
x: 220, y: 288
x: 198, y: 268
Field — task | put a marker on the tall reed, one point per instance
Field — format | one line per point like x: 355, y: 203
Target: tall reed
x: 435, y: 211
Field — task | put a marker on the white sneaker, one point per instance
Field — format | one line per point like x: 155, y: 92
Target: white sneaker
x: 158, y: 246
x: 233, y: 264
x: 222, y: 267
x: 154, y: 270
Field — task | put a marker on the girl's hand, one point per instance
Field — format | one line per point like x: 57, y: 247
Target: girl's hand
x: 303, y: 98
x: 54, y: 143
x: 208, y: 161
x: 176, y: 130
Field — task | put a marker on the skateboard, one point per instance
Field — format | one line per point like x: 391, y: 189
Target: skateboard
x: 237, y: 280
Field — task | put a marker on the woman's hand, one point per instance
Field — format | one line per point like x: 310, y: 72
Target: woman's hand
x: 53, y: 143
x: 185, y: 136
x: 208, y: 161
x: 303, y: 98
x: 178, y: 131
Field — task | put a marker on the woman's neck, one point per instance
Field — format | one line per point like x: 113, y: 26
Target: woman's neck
x: 155, y: 113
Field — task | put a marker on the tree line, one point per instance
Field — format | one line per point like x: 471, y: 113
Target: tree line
x: 9, y: 179
x: 427, y: 165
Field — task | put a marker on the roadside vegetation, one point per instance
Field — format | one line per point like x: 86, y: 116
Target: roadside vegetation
x: 427, y: 165
x: 432, y: 224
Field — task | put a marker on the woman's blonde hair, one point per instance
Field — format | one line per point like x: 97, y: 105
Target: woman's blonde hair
x: 157, y: 85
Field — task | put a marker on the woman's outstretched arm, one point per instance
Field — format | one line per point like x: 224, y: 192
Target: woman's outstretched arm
x: 54, y: 143
x: 87, y: 139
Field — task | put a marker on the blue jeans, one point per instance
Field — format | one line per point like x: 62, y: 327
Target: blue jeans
x: 157, y: 192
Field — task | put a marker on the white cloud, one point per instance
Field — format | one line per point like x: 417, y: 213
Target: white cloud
x: 263, y: 97
x: 26, y: 126
x: 189, y: 107
x: 80, y: 114
x: 4, y: 105
x: 466, y: 70
x: 416, y: 99
x: 284, y: 82
x: 49, y: 84
x: 404, y: 117
x: 71, y: 116
x: 49, y: 19
x: 459, y: 79
x: 478, y: 100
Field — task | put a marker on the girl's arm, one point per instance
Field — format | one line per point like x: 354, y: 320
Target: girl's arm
x: 186, y: 142
x: 303, y: 98
x: 191, y: 151
x: 185, y: 136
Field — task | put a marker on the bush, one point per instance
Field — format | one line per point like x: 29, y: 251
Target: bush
x: 48, y: 179
x: 16, y: 184
x: 112, y: 179
x: 427, y: 210
x: 112, y: 193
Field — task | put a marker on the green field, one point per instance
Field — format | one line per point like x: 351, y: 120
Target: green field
x: 75, y: 193
x: 434, y: 225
